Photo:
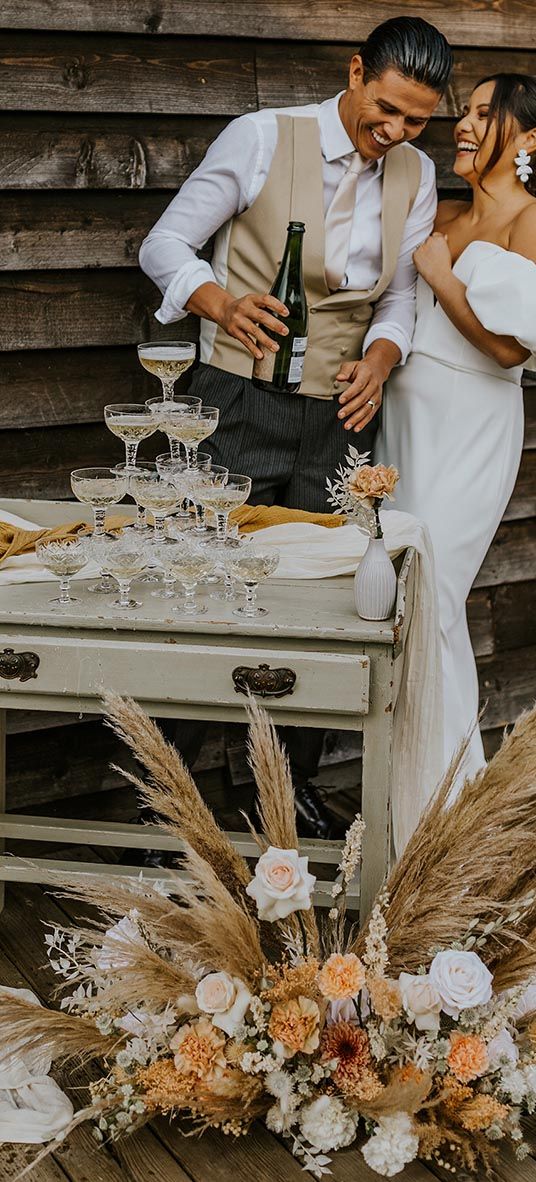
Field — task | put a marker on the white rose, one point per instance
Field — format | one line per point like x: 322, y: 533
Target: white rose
x: 341, y: 1011
x: 282, y: 884
x: 392, y: 1146
x: 461, y: 979
x: 327, y: 1124
x: 225, y: 998
x: 502, y: 1048
x: 421, y: 1001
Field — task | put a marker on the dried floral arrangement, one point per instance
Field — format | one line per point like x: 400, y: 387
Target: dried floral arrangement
x: 360, y: 488
x: 229, y: 998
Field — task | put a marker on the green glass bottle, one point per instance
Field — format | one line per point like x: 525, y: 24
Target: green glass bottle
x: 284, y: 370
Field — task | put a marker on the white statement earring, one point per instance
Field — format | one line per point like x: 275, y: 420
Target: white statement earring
x: 523, y: 170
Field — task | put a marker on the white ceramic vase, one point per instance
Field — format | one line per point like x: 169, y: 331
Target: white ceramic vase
x: 375, y: 583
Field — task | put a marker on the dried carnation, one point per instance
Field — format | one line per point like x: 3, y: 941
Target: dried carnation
x: 199, y: 1050
x: 294, y: 1026
x: 342, y: 976
x: 385, y: 997
x: 372, y: 481
x: 468, y: 1057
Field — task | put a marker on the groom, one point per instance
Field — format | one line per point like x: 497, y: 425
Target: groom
x: 368, y: 200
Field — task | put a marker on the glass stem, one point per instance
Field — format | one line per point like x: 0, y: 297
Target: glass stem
x: 141, y: 520
x: 221, y: 526
x: 189, y: 597
x: 169, y: 586
x: 158, y: 527
x: 167, y: 388
x: 229, y: 587
x: 100, y: 521
x: 131, y: 451
x: 124, y: 589
x: 174, y: 448
x: 200, y: 519
x: 251, y: 598
x: 64, y: 590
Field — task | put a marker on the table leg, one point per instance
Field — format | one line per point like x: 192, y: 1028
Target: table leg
x: 377, y: 780
x: 2, y: 793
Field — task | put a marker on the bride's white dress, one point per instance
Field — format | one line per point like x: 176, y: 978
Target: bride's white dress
x: 453, y: 426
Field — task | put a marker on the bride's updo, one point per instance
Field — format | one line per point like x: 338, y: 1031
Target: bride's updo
x: 514, y: 97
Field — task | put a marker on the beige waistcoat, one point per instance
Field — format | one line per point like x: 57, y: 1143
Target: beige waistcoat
x: 249, y: 249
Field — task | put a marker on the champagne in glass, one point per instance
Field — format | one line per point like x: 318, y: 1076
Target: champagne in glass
x: 63, y: 559
x: 250, y: 567
x: 190, y: 566
x: 100, y: 488
x: 124, y: 561
x: 167, y: 411
x: 158, y: 495
x: 223, y: 498
x: 167, y: 360
x: 132, y: 423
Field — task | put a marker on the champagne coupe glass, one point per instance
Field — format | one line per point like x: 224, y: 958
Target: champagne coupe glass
x: 64, y: 559
x: 167, y: 360
x: 198, y: 427
x: 125, y: 560
x: 168, y: 554
x: 222, y: 498
x: 168, y: 412
x: 191, y: 565
x: 251, y: 566
x: 131, y: 423
x: 156, y: 494
x: 203, y: 463
x: 100, y: 488
x: 140, y: 524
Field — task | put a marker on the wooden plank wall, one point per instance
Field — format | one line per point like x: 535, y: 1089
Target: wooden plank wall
x: 105, y: 107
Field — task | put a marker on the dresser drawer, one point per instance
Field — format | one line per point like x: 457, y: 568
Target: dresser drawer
x: 215, y: 675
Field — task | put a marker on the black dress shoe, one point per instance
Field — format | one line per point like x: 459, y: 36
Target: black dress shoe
x: 314, y: 818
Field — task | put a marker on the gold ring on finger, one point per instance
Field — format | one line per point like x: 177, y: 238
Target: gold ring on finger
x: 371, y: 403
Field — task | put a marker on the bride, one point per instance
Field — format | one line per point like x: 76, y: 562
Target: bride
x: 453, y: 415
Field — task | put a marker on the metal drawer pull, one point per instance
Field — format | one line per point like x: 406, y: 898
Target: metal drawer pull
x: 266, y: 682
x: 18, y: 666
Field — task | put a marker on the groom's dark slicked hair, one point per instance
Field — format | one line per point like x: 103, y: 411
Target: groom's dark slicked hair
x: 412, y: 47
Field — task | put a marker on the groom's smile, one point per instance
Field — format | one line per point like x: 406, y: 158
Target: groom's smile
x: 384, y: 111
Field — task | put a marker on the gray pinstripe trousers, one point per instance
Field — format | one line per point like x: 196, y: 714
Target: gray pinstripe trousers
x: 287, y: 443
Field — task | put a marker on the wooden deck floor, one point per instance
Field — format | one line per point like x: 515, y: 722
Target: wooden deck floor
x: 160, y: 1152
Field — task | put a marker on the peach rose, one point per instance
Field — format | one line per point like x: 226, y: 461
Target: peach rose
x: 421, y: 1000
x: 342, y: 976
x: 282, y: 884
x: 226, y: 998
x: 295, y: 1026
x: 468, y: 1057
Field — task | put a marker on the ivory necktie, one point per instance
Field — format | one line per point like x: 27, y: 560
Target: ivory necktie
x: 338, y: 223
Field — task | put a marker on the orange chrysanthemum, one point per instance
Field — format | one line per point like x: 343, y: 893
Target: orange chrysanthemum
x: 342, y: 976
x: 349, y: 1044
x: 468, y: 1057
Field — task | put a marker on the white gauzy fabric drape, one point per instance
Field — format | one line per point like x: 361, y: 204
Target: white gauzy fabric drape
x: 33, y: 1109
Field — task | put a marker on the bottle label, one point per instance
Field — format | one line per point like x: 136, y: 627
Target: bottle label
x: 295, y: 371
x: 263, y: 367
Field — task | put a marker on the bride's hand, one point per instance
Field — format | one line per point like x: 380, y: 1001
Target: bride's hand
x: 433, y: 258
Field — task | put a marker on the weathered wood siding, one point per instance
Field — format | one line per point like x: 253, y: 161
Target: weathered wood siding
x: 106, y: 107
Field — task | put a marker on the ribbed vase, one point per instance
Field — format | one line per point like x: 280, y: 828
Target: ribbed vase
x: 375, y: 583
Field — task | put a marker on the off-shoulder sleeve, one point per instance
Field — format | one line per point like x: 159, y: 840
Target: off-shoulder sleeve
x: 502, y: 294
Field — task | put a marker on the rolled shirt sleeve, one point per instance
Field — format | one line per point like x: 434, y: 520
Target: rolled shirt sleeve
x: 394, y: 314
x: 218, y: 189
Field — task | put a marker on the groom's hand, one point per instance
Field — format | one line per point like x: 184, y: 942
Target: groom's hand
x: 363, y: 396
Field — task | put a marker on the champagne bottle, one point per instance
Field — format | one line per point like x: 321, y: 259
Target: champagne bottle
x: 284, y: 370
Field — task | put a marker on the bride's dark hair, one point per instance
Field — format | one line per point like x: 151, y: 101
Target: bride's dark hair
x: 514, y: 97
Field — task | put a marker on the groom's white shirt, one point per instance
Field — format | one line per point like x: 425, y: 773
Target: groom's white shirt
x: 232, y: 175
